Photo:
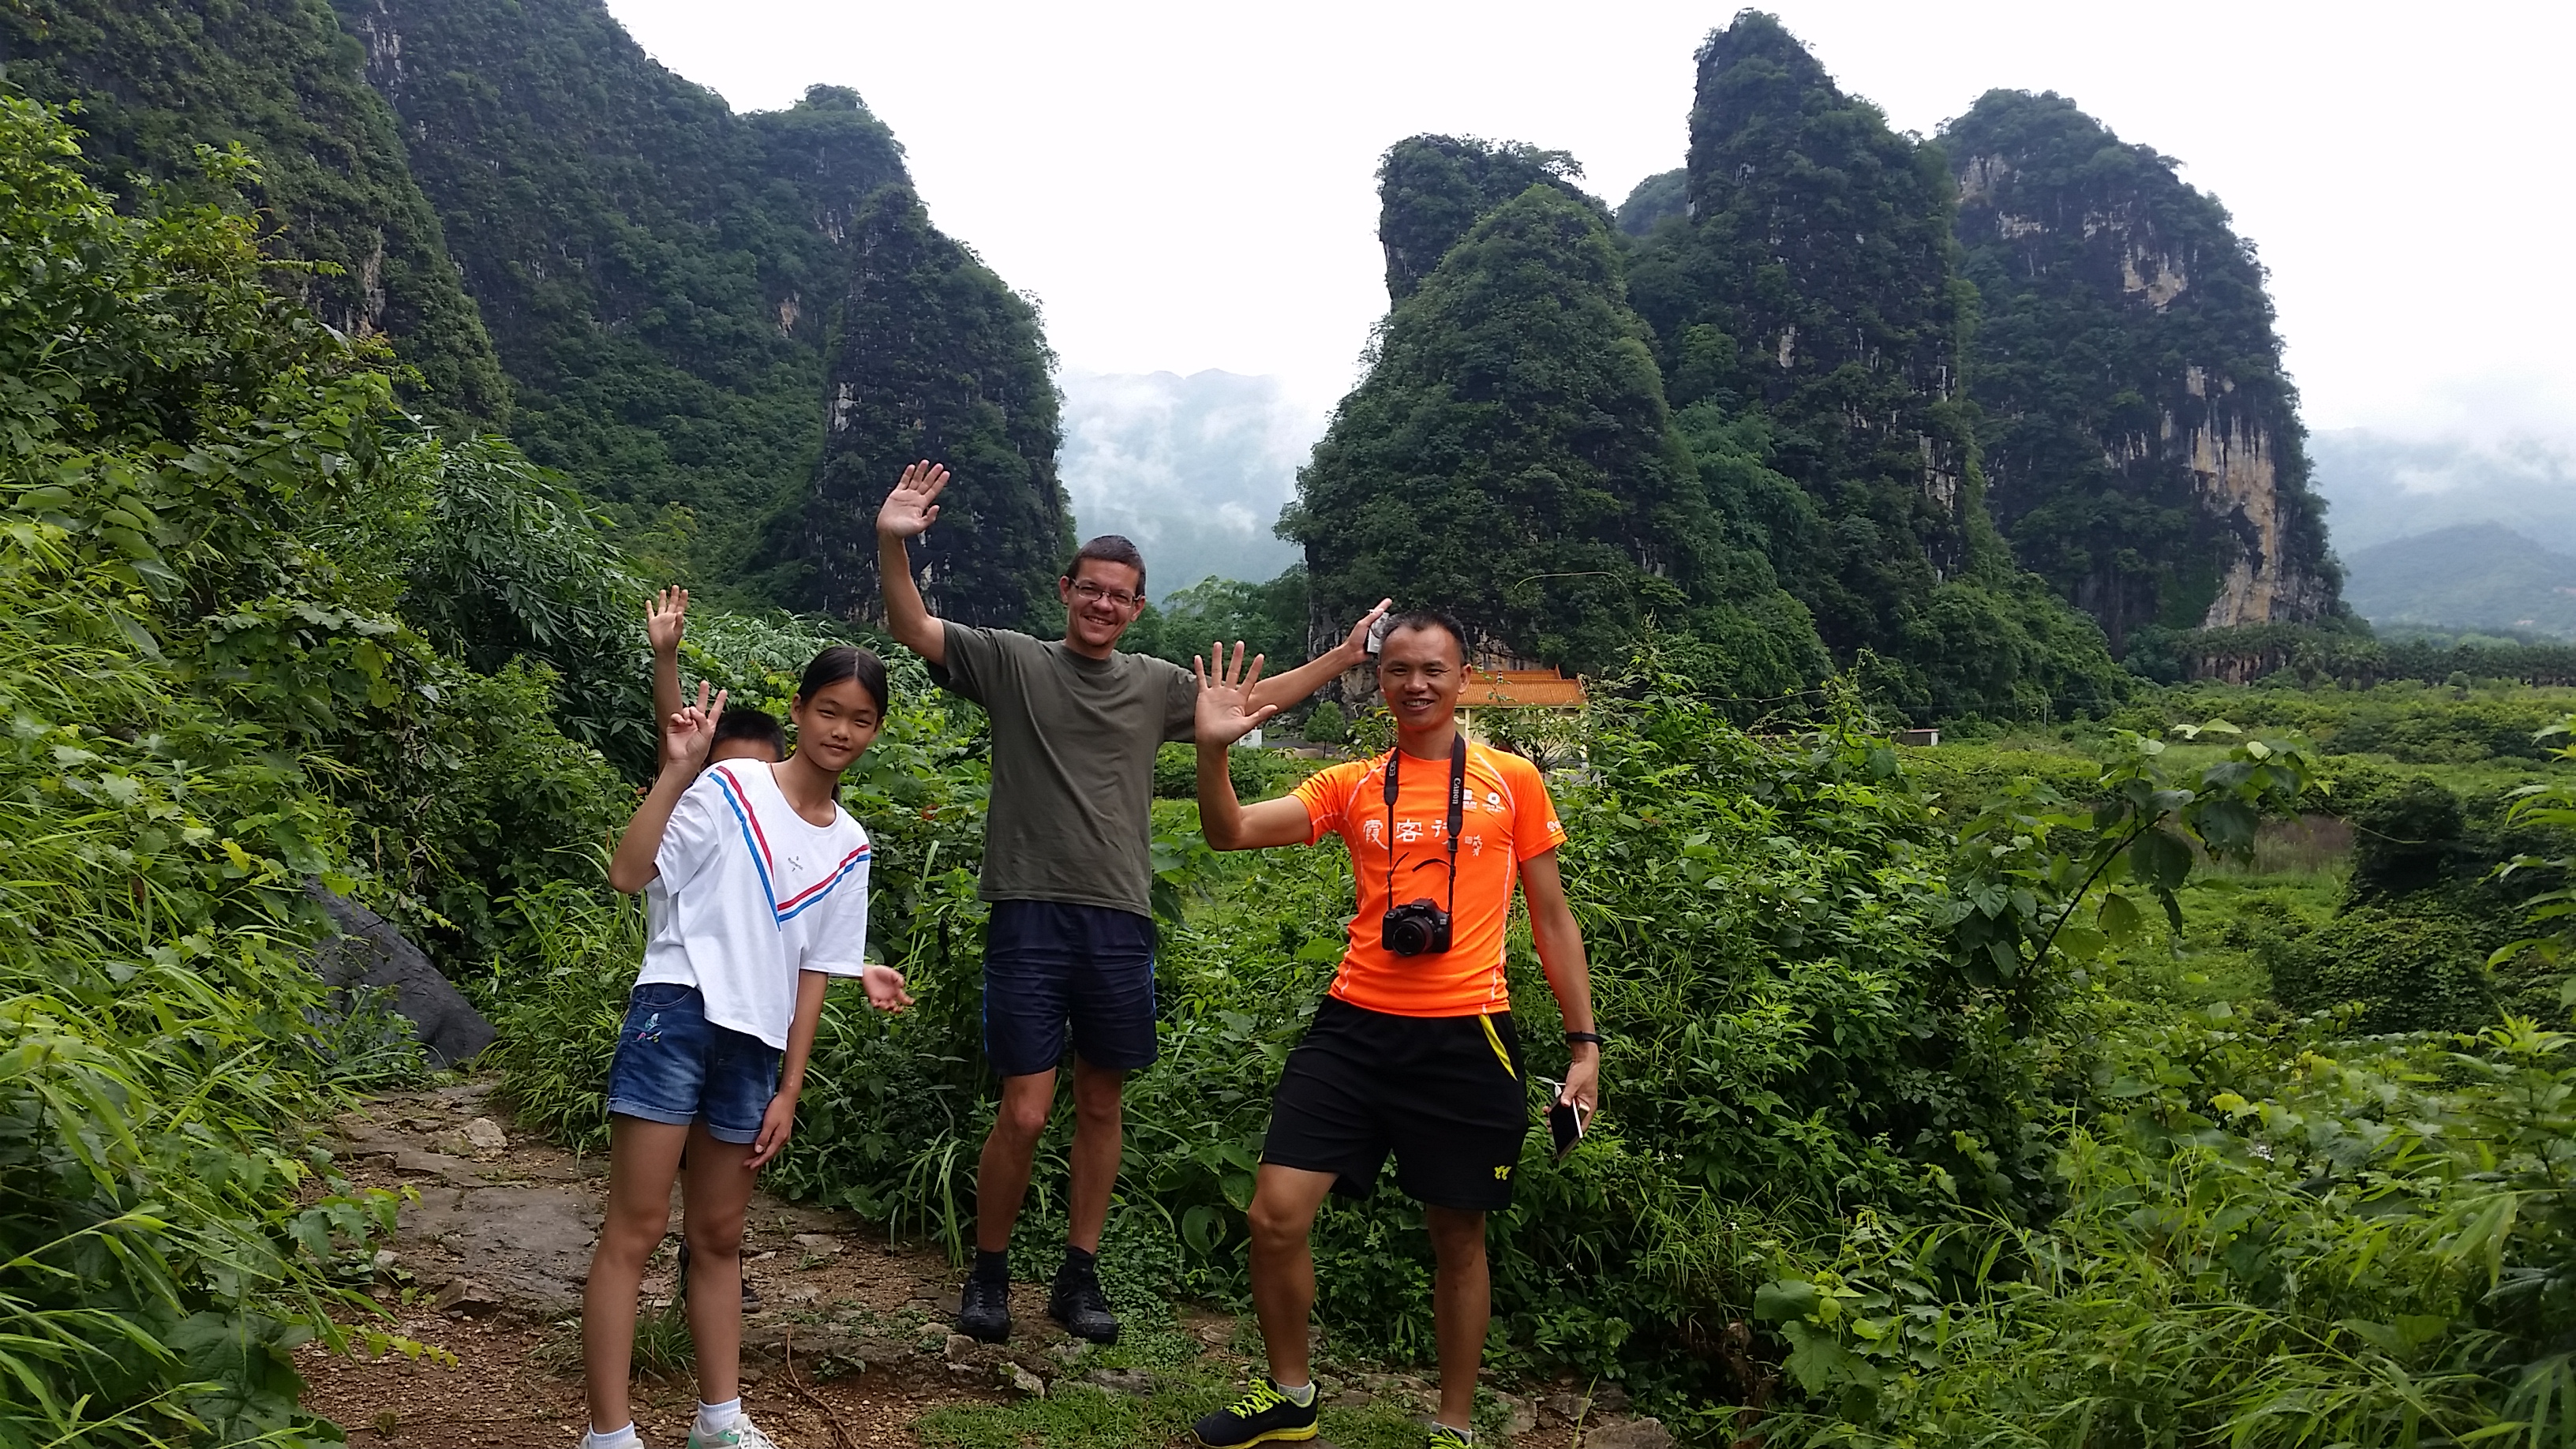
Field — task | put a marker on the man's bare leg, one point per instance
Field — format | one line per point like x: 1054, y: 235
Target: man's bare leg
x: 1284, y: 1203
x: 1097, y: 1142
x: 1010, y: 1152
x: 1462, y: 1304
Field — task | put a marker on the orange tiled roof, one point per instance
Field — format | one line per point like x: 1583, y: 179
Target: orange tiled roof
x: 1520, y: 689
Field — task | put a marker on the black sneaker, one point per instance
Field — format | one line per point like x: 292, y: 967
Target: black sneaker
x: 984, y: 1310
x: 1078, y: 1304
x: 1263, y: 1415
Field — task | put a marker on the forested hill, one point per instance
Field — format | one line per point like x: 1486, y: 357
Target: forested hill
x: 1744, y: 426
x: 571, y: 242
x: 154, y: 82
x: 658, y: 272
x: 2142, y: 446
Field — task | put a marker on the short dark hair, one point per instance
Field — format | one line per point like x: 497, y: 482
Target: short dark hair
x: 846, y: 661
x: 1110, y: 548
x: 757, y: 725
x: 1440, y: 619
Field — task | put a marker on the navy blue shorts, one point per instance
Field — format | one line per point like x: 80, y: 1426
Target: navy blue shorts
x: 1047, y: 963
x: 673, y: 1065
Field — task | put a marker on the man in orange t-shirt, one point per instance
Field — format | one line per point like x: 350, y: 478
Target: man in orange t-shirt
x: 1414, y: 1052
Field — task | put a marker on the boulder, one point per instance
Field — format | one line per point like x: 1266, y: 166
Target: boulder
x: 1631, y: 1434
x: 369, y: 952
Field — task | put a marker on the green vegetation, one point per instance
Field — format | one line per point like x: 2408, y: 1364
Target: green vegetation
x: 1433, y: 189
x: 936, y: 358
x: 278, y: 77
x: 205, y: 515
x: 1810, y: 320
x: 659, y: 274
x: 1510, y: 457
x: 2113, y: 359
x: 2068, y: 1083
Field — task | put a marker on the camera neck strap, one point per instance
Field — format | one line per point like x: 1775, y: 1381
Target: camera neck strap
x: 1457, y: 813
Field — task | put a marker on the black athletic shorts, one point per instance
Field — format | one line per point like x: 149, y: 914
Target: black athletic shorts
x: 1444, y: 1093
x: 1053, y: 964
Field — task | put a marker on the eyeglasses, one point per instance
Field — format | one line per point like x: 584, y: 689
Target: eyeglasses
x: 1091, y: 593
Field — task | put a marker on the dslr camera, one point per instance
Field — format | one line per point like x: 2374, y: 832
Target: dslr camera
x: 1416, y: 928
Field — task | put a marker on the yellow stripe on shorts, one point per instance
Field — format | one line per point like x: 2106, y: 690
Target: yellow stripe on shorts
x: 1494, y: 1039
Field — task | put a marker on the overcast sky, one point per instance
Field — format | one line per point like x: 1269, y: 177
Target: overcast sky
x: 1187, y: 186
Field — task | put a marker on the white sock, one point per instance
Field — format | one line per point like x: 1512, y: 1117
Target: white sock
x: 716, y: 1418
x: 625, y: 1438
x: 1302, y: 1395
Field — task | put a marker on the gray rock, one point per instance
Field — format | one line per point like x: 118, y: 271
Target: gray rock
x: 1630, y: 1434
x: 1027, y: 1383
x: 464, y: 1295
x: 960, y: 1348
x: 486, y: 1135
x: 369, y: 952
x: 1135, y: 1383
x: 1610, y: 1399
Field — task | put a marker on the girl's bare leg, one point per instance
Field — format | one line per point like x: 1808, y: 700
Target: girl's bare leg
x: 717, y: 1191
x: 643, y: 1158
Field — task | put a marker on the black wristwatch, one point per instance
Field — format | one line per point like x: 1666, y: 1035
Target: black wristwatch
x: 1593, y: 1037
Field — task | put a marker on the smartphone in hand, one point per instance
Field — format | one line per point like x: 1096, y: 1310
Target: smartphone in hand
x: 1565, y: 1125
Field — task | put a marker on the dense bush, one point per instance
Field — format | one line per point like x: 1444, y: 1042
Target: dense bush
x: 176, y: 624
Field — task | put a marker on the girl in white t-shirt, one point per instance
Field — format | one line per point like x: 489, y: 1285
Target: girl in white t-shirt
x: 766, y: 879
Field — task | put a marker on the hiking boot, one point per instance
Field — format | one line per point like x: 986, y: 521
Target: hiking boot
x: 743, y: 1435
x: 1263, y: 1415
x: 984, y: 1310
x: 1079, y: 1305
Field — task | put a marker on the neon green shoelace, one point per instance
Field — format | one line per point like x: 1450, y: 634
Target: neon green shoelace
x: 1260, y: 1399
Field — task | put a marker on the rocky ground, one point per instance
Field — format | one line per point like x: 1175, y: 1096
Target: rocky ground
x: 850, y: 1345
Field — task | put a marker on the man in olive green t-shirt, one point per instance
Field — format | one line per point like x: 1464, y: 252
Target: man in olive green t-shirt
x: 1068, y: 869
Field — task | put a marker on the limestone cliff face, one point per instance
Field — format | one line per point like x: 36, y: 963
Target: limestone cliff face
x: 2142, y: 447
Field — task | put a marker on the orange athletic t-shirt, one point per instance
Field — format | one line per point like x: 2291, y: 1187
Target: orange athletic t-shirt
x: 1507, y: 819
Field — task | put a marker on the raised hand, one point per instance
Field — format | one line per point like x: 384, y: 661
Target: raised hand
x: 667, y: 619
x: 688, y: 735
x: 914, y: 504
x: 1355, y: 648
x: 1225, y: 712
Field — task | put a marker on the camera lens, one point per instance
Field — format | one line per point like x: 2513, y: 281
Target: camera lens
x: 1405, y: 936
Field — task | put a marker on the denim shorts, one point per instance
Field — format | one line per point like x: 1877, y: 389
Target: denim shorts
x: 1050, y: 964
x: 673, y: 1065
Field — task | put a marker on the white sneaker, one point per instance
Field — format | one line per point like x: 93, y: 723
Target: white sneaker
x: 743, y: 1435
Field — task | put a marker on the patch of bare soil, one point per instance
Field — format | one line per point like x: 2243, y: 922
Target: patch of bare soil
x: 850, y: 1343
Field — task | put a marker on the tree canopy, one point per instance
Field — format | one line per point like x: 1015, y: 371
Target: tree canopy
x: 1431, y: 189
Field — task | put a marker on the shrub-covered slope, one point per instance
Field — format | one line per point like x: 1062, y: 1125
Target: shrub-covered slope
x: 153, y: 82
x: 2142, y: 446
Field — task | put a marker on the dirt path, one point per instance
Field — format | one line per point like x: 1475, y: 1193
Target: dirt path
x: 849, y: 1347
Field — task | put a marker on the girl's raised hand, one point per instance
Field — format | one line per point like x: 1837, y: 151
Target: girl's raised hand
x: 689, y: 735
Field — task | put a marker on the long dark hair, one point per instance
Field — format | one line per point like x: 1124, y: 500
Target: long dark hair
x: 845, y: 661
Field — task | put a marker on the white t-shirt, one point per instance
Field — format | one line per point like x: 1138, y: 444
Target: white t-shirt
x: 756, y: 894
